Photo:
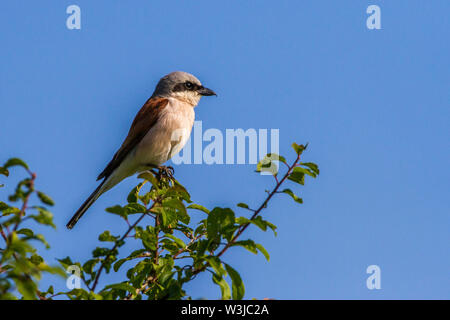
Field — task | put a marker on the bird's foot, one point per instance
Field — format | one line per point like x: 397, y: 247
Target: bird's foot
x: 166, y: 172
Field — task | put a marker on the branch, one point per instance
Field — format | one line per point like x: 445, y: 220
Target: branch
x: 25, y: 201
x: 188, y: 245
x: 256, y: 212
x: 102, y: 266
x: 2, y: 233
x: 261, y: 207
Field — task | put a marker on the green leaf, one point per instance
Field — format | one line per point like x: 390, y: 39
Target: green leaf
x: 106, y: 236
x: 36, y: 259
x: 259, y: 222
x: 178, y: 241
x: 44, y: 217
x: 26, y: 287
x: 117, y: 210
x: 266, y: 165
x: 3, y: 206
x: 133, y: 208
x: 89, y: 265
x: 66, y: 262
x: 263, y: 251
x: 305, y: 171
x: 253, y: 247
x: 198, y: 207
x: 263, y: 224
x: 120, y: 286
x: 242, y: 220
x: 178, y: 206
x: 134, y: 193
x: 250, y: 245
x: 147, y: 236
x: 4, y: 171
x: 299, y: 148
x: 10, y: 210
x: 314, y: 167
x: 224, y: 287
x: 15, y: 162
x: 298, y: 177
x: 243, y: 205
x: 292, y: 194
x: 168, y: 215
x: 276, y: 157
x: 119, y: 263
x: 133, y: 255
x: 178, y: 191
x: 45, y: 198
x: 216, y: 264
x: 26, y: 231
x: 237, y: 285
x: 50, y: 290
x: 148, y: 176
x: 103, y: 252
x: 219, y: 222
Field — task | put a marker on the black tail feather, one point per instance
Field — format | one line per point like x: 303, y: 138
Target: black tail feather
x: 85, y: 206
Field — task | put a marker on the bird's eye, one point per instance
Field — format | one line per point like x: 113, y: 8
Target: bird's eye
x: 189, y: 85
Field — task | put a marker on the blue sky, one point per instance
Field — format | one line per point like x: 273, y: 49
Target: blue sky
x: 373, y: 104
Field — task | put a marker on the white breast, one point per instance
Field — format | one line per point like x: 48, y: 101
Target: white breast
x: 168, y: 136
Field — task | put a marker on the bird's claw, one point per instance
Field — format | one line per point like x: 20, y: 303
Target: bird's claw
x: 166, y: 172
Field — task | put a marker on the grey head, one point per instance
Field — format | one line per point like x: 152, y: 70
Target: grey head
x: 183, y: 86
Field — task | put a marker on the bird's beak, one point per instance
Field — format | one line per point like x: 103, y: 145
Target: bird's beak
x: 206, y: 92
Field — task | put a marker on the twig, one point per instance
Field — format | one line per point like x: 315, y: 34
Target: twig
x: 102, y: 266
x: 261, y: 207
x: 25, y: 201
x: 3, y: 234
x: 255, y: 214
x: 147, y: 282
x: 151, y: 278
x: 188, y: 245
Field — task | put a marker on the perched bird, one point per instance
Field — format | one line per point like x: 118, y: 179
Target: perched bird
x: 158, y: 132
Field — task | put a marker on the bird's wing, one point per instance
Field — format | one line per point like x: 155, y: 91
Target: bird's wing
x: 142, y: 123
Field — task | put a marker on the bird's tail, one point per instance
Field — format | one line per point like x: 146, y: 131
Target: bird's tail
x: 94, y: 196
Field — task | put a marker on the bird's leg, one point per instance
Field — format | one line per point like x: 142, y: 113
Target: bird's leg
x: 150, y: 168
x: 163, y: 171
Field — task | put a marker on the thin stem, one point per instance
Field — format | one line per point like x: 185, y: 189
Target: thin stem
x: 261, y: 207
x: 3, y: 234
x: 157, y: 239
x: 151, y: 279
x: 255, y: 214
x: 25, y: 201
x: 102, y: 266
x: 182, y: 250
x: 143, y: 289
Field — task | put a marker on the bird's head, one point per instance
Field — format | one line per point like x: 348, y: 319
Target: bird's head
x: 183, y: 86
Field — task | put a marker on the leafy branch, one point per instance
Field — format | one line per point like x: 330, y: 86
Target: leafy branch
x: 267, y: 163
x: 116, y: 245
x: 20, y: 265
x: 171, y: 250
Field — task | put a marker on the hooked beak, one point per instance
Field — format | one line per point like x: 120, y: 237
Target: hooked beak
x: 206, y: 92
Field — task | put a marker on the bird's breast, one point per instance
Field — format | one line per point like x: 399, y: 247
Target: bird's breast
x: 168, y: 136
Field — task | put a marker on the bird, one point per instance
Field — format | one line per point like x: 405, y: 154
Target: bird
x: 160, y: 130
